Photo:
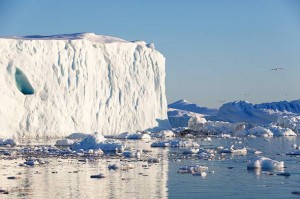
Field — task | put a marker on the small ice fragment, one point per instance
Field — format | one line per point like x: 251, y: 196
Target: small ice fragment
x: 264, y: 164
x: 98, y: 176
x: 286, y: 174
x: 153, y: 160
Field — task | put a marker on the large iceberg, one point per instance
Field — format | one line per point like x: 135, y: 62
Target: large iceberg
x: 54, y: 85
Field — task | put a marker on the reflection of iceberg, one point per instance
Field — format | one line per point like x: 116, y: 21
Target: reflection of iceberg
x: 72, y: 180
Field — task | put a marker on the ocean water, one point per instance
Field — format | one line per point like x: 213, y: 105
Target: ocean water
x: 227, y: 176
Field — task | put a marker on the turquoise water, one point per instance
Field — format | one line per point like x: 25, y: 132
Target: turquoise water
x: 227, y: 177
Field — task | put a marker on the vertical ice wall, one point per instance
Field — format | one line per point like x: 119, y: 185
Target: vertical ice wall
x: 56, y: 85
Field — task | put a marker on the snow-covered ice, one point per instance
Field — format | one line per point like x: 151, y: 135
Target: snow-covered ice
x: 291, y: 122
x: 163, y: 134
x: 80, y: 83
x: 265, y: 164
x: 160, y: 144
x: 243, y: 111
x: 213, y: 127
x: 260, y: 131
x: 97, y: 141
x: 181, y: 111
x: 135, y: 136
x: 9, y: 141
x: 64, y: 142
x: 234, y: 151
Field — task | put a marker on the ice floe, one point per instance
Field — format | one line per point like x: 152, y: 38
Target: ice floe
x: 10, y: 142
x: 265, y: 164
x: 135, y: 136
x: 163, y: 134
x: 64, y: 142
x: 234, y: 151
x: 97, y: 141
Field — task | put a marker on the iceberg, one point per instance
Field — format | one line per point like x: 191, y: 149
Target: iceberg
x: 265, y: 164
x: 97, y: 141
x: 259, y: 114
x: 54, y: 85
x: 181, y: 111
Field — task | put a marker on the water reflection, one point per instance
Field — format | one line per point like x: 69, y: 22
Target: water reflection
x: 69, y: 178
x: 227, y: 176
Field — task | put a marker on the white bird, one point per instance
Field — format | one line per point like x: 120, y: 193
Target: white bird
x: 277, y: 69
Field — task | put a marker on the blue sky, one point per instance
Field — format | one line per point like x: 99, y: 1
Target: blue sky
x: 215, y: 50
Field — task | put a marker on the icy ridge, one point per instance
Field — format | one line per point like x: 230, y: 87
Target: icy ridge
x: 185, y: 105
x: 243, y: 111
x: 53, y: 86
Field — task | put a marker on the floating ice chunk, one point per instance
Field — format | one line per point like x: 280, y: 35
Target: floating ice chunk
x: 265, y: 164
x: 184, y: 143
x: 31, y: 162
x: 97, y: 141
x: 160, y: 144
x: 279, y: 131
x: 254, y: 151
x: 286, y: 174
x: 291, y: 122
x: 145, y: 136
x: 127, y: 166
x: 200, y: 124
x: 10, y: 142
x: 98, y: 176
x: 208, y: 139
x: 294, y: 153
x: 163, y: 134
x: 202, y: 174
x: 110, y: 145
x: 206, y: 155
x: 225, y: 135
x: 124, y: 135
x: 123, y: 166
x: 190, y: 151
x: 153, y: 160
x: 135, y: 136
x: 64, y: 142
x: 128, y: 154
x: 196, y: 123
x: 138, y: 154
x: 260, y: 131
x: 113, y: 166
x: 234, y: 151
x: 194, y: 168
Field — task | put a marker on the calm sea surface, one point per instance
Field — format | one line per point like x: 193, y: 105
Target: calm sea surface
x: 227, y: 176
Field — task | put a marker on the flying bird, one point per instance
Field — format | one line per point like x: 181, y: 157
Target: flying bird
x: 277, y: 69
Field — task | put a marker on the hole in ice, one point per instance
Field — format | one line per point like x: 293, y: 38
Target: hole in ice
x: 22, y: 82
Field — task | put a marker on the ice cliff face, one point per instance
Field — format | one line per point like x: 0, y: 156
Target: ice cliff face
x: 55, y: 85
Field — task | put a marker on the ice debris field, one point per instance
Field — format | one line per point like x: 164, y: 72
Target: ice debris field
x: 133, y: 154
